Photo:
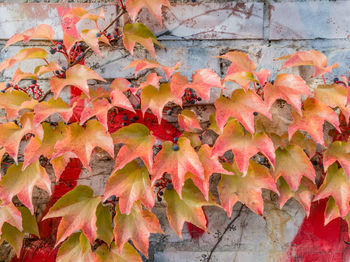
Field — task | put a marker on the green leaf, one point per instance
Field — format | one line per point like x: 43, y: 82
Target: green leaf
x: 29, y: 222
x: 139, y: 33
x: 76, y: 248
x: 128, y: 254
x: 13, y: 236
x: 104, y: 224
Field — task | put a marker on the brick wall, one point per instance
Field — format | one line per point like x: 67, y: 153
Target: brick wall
x: 194, y: 32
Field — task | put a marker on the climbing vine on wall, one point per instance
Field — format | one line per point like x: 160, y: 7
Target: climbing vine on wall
x: 151, y: 166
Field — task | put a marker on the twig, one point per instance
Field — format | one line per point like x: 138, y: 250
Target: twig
x: 226, y: 229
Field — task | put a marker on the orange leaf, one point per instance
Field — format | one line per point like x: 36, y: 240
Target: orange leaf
x: 12, y: 134
x: 154, y: 6
x: 188, y: 121
x: 241, y: 69
x: 312, y: 57
x: 19, y: 75
x: 89, y: 36
x: 292, y: 164
x: 130, y: 184
x: 334, y: 96
x: 336, y: 184
x: 41, y: 31
x: 10, y: 214
x: 23, y: 54
x: 75, y: 76
x: 80, y: 13
x: 211, y: 165
x: 78, y: 211
x: 241, y: 106
x: 203, y: 80
x: 137, y: 226
x: 138, y: 142
x: 155, y: 99
x: 303, y: 195
x: 146, y: 64
x: 81, y: 142
x: 337, y: 151
x: 13, y: 102
x: 178, y: 85
x: 45, y: 109
x: 188, y: 208
x: 21, y: 183
x: 246, y: 189
x: 287, y: 87
x: 311, y: 121
x: 98, y: 108
x: 177, y: 163
x: 243, y: 146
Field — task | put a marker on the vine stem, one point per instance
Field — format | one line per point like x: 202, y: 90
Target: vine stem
x: 122, y: 12
x: 226, y: 229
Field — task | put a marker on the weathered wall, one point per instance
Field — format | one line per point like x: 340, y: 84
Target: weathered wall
x: 194, y: 32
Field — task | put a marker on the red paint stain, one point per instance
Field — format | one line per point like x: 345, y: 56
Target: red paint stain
x: 316, y: 242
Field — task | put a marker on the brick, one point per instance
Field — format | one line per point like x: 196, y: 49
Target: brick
x: 309, y: 20
x: 208, y: 21
x: 16, y: 18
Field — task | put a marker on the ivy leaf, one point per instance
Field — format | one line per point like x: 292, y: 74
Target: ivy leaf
x: 336, y: 184
x: 77, y: 76
x: 29, y: 221
x: 13, y: 101
x: 51, y: 67
x: 178, y: 85
x: 331, y: 212
x: 112, y: 254
x: 152, y: 79
x: 81, y: 141
x: 154, y: 6
x: 241, y: 106
x: 45, y: 109
x: 21, y: 183
x: 138, y: 142
x: 76, y: 248
x: 45, y: 147
x: 246, y: 189
x: 211, y: 165
x: 130, y: 184
x: 311, y: 121
x: 23, y: 54
x: 80, y: 14
x: 262, y: 76
x: 203, y: 80
x: 312, y: 57
x: 11, y: 215
x: 188, y: 208
x: 11, y: 134
x: 303, y: 194
x: 139, y: 33
x: 99, y: 108
x: 292, y: 164
x: 243, y: 146
x: 78, y: 211
x: 41, y: 31
x: 188, y: 121
x: 155, y: 99
x: 337, y: 151
x: 12, y: 236
x: 140, y: 65
x: 241, y: 69
x: 213, y: 125
x: 287, y: 87
x: 118, y: 86
x: 137, y: 226
x: 19, y: 76
x: 334, y: 96
x: 90, y: 38
x: 177, y: 163
x: 104, y: 224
